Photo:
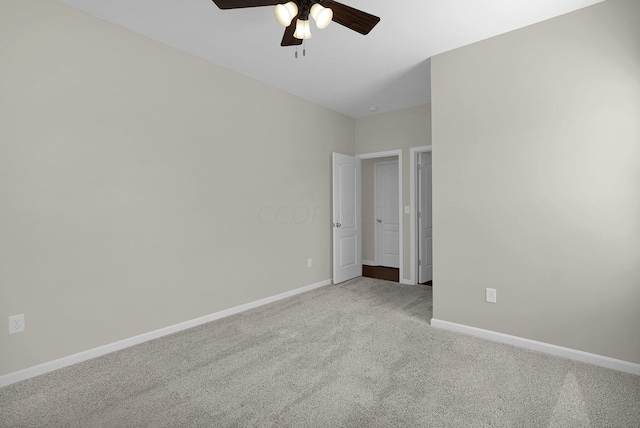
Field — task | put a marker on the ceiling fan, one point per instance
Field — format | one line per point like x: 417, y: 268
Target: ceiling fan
x: 294, y: 15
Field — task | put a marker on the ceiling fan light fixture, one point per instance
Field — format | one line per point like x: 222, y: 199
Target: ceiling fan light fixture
x: 303, y: 30
x: 322, y: 15
x: 286, y: 12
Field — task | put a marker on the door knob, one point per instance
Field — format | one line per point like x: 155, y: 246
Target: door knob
x: 337, y: 225
x: 379, y: 220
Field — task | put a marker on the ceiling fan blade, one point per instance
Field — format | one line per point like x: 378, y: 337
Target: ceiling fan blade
x: 287, y: 38
x: 237, y: 4
x: 355, y: 19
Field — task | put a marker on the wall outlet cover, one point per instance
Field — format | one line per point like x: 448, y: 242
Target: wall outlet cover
x: 491, y: 295
x: 16, y: 324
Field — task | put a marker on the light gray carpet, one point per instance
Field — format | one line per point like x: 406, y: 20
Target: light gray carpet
x: 361, y: 354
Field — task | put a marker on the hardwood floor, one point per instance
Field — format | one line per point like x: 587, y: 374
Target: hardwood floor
x: 386, y: 273
x: 381, y: 272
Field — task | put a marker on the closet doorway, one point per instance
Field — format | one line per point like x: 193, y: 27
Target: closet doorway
x: 382, y: 215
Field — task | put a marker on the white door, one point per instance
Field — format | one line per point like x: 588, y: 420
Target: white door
x: 425, y: 230
x: 347, y: 218
x: 387, y: 215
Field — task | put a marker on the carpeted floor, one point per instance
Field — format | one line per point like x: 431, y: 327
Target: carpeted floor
x: 359, y: 354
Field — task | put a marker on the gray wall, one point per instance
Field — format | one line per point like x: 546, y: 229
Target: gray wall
x: 141, y: 187
x: 536, y: 148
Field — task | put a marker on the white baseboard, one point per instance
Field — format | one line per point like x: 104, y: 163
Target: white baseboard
x: 547, y: 348
x: 369, y: 263
x: 407, y: 282
x: 49, y: 366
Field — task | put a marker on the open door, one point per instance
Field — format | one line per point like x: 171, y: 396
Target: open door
x: 425, y: 231
x: 347, y: 217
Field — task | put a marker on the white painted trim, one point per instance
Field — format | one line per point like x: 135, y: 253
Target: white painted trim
x: 407, y: 281
x: 397, y: 152
x: 413, y: 177
x: 369, y: 263
x: 387, y: 153
x: 49, y: 366
x: 547, y: 348
x: 401, y: 208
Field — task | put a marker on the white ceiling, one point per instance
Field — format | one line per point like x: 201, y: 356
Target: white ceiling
x: 388, y: 69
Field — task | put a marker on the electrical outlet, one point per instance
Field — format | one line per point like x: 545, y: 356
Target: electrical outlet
x: 491, y: 296
x: 309, y: 262
x: 16, y: 324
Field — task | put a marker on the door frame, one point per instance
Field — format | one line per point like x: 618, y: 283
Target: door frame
x: 413, y: 198
x: 376, y: 231
x: 385, y: 154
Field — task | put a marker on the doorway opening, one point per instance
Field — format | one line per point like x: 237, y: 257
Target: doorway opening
x: 382, y: 240
x: 347, y: 231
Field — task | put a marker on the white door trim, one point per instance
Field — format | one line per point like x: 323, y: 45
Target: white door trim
x: 376, y: 214
x: 413, y: 218
x: 385, y: 154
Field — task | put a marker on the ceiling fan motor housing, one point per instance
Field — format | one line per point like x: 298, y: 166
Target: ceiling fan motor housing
x: 304, y: 6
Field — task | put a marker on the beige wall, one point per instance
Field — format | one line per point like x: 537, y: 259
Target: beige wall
x: 368, y: 207
x: 536, y: 146
x: 401, y: 129
x: 141, y: 187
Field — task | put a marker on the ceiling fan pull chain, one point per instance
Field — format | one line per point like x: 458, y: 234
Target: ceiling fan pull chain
x: 304, y: 48
x: 296, y: 52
